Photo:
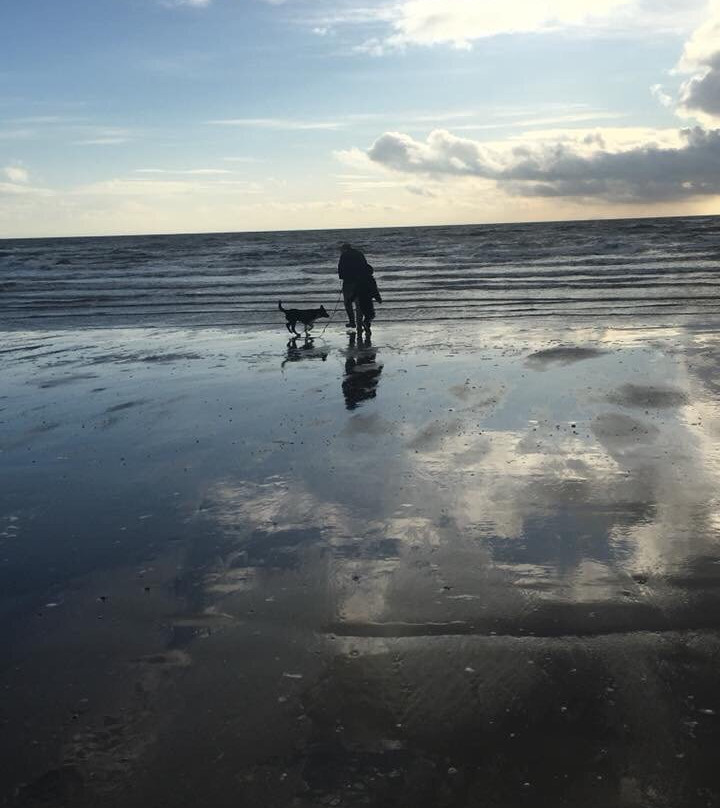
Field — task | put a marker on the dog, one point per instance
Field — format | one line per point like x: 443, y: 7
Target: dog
x: 305, y: 316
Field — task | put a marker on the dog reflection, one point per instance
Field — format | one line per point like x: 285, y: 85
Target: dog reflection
x: 362, y: 372
x: 306, y: 350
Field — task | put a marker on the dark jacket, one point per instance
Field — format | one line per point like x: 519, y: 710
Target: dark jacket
x: 353, y: 266
x: 367, y: 287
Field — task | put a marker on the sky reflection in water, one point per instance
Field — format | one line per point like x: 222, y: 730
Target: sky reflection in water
x: 444, y: 571
x: 487, y: 483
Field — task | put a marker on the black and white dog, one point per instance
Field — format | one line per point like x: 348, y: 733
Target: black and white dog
x: 305, y: 316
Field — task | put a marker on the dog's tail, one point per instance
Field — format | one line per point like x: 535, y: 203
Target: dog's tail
x: 280, y: 306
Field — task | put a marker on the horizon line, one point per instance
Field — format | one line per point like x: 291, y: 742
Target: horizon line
x: 360, y: 227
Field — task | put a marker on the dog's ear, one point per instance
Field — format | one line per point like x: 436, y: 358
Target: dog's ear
x: 323, y: 312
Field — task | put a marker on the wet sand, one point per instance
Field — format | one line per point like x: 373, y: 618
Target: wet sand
x: 477, y: 567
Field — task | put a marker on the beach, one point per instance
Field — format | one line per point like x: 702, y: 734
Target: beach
x: 470, y: 564
x: 360, y: 404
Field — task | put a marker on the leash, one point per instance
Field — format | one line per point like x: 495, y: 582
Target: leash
x: 337, y: 303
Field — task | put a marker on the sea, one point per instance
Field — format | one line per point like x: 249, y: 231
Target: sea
x: 596, y: 271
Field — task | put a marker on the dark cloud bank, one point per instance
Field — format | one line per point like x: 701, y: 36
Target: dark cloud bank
x: 702, y: 92
x: 647, y: 173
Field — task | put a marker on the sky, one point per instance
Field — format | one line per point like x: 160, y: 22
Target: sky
x: 169, y: 116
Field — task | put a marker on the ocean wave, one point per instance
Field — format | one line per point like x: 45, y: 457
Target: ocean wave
x: 660, y: 268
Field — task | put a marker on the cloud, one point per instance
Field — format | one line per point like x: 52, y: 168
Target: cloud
x: 77, y: 130
x: 135, y: 188
x: 16, y: 134
x: 16, y: 189
x: 103, y: 135
x: 603, y: 165
x: 477, y: 119
x: 243, y: 160
x: 278, y: 123
x: 459, y: 22
x: 420, y: 190
x: 567, y: 167
x: 568, y: 117
x: 658, y: 91
x: 186, y: 171
x: 200, y: 183
x: 191, y: 3
x: 700, y: 94
x: 16, y: 174
x: 392, y: 25
x: 102, y: 141
x: 333, y: 14
x: 43, y: 120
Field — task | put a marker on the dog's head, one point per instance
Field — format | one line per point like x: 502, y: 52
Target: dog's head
x: 322, y: 311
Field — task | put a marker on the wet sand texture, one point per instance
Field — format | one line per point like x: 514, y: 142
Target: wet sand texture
x: 467, y: 568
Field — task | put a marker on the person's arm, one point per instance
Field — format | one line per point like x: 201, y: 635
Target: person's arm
x: 341, y: 268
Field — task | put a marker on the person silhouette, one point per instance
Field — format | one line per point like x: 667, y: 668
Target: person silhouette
x: 359, y: 288
x: 366, y: 291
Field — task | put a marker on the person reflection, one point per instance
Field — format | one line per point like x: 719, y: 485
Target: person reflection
x: 362, y: 371
x: 307, y: 350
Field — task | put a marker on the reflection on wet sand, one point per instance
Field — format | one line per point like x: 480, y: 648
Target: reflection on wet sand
x: 362, y: 371
x: 509, y: 597
x: 306, y: 350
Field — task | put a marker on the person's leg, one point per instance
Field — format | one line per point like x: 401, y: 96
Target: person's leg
x: 368, y: 313
x: 348, y: 292
x: 365, y: 310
